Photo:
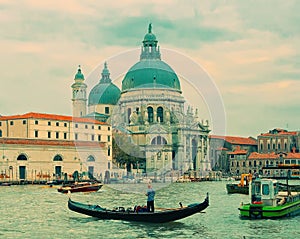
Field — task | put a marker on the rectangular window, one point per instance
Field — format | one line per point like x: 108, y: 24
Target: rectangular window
x: 0, y: 123
x: 24, y: 121
x: 36, y: 122
x: 106, y: 110
x: 49, y: 123
x: 57, y: 135
x: 108, y: 138
x: 93, y: 137
x: 57, y: 123
x: 86, y: 126
x: 65, y: 135
x: 65, y: 124
x: 99, y: 127
x: 108, y: 128
x: 36, y: 133
x: 92, y: 126
x: 99, y: 138
x: 49, y: 135
x: 76, y: 136
x: 11, y: 123
x: 76, y: 125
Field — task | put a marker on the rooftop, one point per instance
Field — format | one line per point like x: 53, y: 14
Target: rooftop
x: 33, y: 115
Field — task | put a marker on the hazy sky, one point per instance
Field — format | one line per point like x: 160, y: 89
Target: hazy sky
x: 250, y: 49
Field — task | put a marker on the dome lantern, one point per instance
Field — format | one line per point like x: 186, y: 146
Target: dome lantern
x: 150, y: 71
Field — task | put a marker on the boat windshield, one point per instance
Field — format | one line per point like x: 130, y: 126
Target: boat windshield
x: 257, y: 188
x: 265, y: 189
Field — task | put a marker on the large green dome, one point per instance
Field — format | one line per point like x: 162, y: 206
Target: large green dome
x: 105, y: 92
x: 150, y: 71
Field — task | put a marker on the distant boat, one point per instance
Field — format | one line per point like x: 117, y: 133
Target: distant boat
x: 80, y: 187
x: 161, y: 215
x: 5, y: 184
x: 266, y: 201
x: 242, y: 187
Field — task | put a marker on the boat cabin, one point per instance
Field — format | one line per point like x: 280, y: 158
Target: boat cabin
x: 264, y: 191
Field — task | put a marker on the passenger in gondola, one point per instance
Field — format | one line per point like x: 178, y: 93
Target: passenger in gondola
x: 150, y: 200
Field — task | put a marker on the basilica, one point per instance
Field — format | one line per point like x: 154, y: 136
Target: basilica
x: 149, y: 111
x: 146, y: 118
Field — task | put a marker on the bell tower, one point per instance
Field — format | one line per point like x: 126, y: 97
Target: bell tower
x: 79, y: 95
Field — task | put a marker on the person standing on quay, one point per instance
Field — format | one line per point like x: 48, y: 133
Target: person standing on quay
x: 150, y: 200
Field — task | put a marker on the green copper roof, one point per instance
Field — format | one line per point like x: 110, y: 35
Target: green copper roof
x: 151, y: 74
x: 105, y: 92
x: 79, y: 75
x: 150, y: 71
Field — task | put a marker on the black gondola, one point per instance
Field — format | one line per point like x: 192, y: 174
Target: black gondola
x: 159, y: 216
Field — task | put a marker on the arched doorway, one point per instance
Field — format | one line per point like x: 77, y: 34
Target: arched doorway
x: 58, y: 168
x: 22, y: 168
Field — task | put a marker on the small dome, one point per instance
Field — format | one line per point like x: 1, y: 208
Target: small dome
x: 105, y: 92
x: 79, y: 75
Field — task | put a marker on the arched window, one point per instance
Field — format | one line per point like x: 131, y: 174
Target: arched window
x: 158, y: 141
x: 22, y: 157
x: 150, y: 114
x: 91, y: 159
x: 128, y: 114
x: 160, y: 114
x: 57, y: 158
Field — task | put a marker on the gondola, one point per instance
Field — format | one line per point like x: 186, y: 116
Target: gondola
x: 159, y: 216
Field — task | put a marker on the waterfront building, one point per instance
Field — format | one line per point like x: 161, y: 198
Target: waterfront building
x: 39, y: 147
x: 150, y: 110
x: 278, y: 146
x: 279, y: 140
x: 229, y: 153
x: 247, y: 155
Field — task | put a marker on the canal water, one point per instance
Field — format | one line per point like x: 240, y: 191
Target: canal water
x: 34, y: 211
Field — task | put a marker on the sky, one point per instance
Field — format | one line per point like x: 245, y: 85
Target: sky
x: 249, y: 49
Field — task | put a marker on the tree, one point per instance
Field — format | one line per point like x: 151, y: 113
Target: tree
x: 125, y: 151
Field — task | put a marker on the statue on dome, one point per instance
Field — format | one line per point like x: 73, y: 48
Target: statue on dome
x: 150, y: 28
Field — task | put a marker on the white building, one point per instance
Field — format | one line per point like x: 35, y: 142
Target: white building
x: 150, y: 110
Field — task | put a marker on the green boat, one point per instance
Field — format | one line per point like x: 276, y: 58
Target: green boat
x: 266, y: 201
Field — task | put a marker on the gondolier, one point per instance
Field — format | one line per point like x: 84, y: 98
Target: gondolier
x: 150, y: 200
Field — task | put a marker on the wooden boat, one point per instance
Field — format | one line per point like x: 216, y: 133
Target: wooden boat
x: 158, y: 216
x: 5, y: 184
x: 266, y: 201
x: 80, y: 187
x: 242, y: 187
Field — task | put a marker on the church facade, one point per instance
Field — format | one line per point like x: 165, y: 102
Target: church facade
x: 150, y: 111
